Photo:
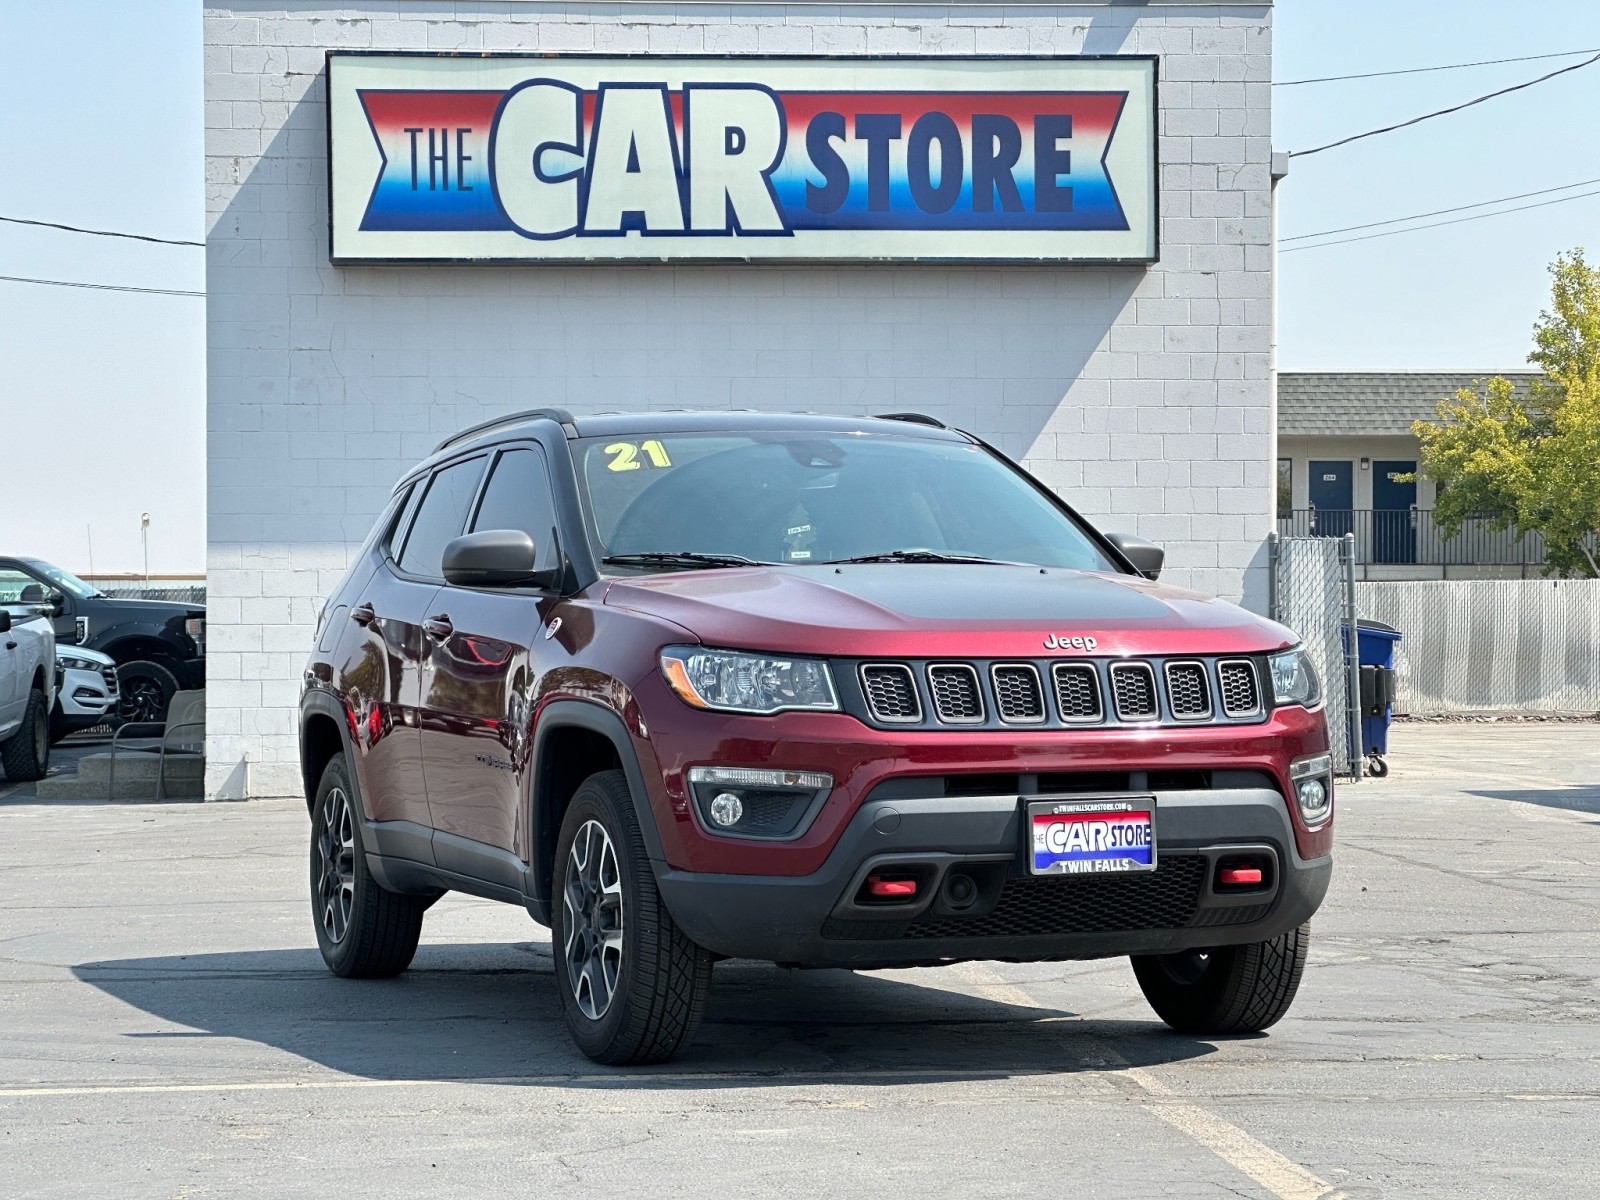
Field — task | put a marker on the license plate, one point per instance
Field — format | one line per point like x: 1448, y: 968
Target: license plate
x: 1082, y: 837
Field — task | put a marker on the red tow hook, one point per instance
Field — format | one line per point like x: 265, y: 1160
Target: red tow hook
x: 888, y: 889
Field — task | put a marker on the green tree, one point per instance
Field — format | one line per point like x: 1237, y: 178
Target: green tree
x: 1532, y: 463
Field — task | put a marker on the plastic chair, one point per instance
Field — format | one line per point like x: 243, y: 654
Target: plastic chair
x: 182, y: 733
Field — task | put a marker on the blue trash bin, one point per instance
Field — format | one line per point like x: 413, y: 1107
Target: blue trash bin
x: 1375, y: 651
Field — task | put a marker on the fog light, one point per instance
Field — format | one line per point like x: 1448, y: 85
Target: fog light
x: 1313, y: 787
x: 726, y: 809
x: 756, y: 802
x: 1313, y: 796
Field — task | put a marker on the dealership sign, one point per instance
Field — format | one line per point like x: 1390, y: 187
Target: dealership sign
x: 513, y: 158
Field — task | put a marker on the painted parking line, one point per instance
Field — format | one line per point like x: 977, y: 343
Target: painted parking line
x: 1283, y: 1177
x: 620, y: 1078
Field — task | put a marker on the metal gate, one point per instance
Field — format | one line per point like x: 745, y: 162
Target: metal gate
x: 1313, y: 590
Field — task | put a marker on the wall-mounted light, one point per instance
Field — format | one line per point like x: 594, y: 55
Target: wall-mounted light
x: 1366, y: 464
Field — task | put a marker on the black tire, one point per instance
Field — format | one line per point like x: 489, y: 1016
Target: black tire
x: 145, y: 689
x: 26, y: 754
x: 1233, y: 989
x: 1377, y: 767
x: 658, y: 978
x: 364, y: 930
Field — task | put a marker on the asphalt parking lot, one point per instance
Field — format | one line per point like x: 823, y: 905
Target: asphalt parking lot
x: 168, y: 1030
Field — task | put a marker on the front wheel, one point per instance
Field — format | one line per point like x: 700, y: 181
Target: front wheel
x: 632, y: 985
x: 364, y: 930
x: 1232, y: 989
x: 26, y: 754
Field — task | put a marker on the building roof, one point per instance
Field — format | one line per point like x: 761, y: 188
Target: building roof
x: 1357, y: 403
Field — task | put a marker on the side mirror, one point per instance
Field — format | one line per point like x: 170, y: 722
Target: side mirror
x: 5, y: 620
x: 32, y: 594
x: 1146, y: 557
x: 492, y: 558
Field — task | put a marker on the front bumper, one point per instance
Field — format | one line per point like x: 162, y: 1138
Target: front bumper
x: 84, y: 699
x: 817, y: 919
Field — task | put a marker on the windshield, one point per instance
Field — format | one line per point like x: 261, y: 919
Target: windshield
x: 795, y: 498
x: 65, y: 580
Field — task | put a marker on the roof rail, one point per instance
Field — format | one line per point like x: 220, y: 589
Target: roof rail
x: 559, y: 415
x: 913, y: 418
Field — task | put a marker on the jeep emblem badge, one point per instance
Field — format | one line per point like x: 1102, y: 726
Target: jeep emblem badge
x: 1060, y: 641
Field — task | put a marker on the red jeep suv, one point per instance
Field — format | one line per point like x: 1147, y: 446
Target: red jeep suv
x: 822, y: 691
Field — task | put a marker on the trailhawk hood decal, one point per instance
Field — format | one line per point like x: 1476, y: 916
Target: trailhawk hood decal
x: 927, y: 610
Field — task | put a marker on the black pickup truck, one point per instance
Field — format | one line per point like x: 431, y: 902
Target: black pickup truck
x: 159, y: 646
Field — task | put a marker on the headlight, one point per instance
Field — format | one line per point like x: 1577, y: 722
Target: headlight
x: 749, y: 683
x: 73, y: 662
x: 195, y: 627
x: 1294, y: 680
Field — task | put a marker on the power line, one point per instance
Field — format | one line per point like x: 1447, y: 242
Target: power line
x: 100, y: 287
x: 1488, y: 62
x: 1438, y: 212
x: 1447, y: 111
x: 1437, y: 224
x: 136, y: 237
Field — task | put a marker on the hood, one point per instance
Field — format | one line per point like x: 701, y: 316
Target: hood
x: 921, y: 610
x: 153, y: 610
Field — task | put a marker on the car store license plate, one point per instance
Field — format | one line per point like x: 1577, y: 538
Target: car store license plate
x: 1081, y: 837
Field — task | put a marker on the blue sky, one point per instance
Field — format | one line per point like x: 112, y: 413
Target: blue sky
x: 104, y: 392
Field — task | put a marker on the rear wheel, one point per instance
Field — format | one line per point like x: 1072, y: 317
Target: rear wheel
x: 364, y: 930
x: 145, y: 688
x: 632, y: 985
x: 26, y: 754
x: 1232, y: 989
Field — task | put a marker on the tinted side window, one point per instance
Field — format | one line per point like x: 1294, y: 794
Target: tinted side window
x: 518, y: 497
x: 397, y: 516
x: 440, y: 517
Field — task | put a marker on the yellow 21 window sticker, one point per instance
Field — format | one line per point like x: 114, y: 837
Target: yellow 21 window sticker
x: 625, y: 455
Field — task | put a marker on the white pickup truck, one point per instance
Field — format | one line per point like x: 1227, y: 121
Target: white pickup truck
x: 27, y: 689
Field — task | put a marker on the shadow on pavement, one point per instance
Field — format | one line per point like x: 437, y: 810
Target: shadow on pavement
x: 1575, y: 799
x: 489, y: 1012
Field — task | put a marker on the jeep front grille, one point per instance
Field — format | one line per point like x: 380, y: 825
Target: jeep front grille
x: 891, y: 693
x: 1078, y: 693
x: 1058, y: 693
x: 1188, y: 691
x: 957, y: 698
x: 1241, y: 697
x: 1133, y: 691
x: 1018, y: 695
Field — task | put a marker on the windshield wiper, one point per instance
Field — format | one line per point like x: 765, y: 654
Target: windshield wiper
x: 682, y: 558
x: 922, y: 556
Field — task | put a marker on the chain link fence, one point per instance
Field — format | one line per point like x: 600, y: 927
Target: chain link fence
x: 1313, y: 593
x: 1502, y: 645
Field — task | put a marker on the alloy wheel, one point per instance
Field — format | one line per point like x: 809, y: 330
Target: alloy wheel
x: 142, y: 700
x: 336, y: 851
x: 41, y: 741
x: 592, y: 900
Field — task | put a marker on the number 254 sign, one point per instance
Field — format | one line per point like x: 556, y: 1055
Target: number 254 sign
x: 505, y: 157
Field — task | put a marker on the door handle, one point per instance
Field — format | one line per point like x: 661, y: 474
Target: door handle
x: 439, y: 627
x: 363, y: 614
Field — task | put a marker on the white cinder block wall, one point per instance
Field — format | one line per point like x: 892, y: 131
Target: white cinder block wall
x: 1141, y: 394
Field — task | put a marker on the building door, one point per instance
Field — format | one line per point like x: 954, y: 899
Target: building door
x: 1332, y: 494
x: 1394, y: 535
